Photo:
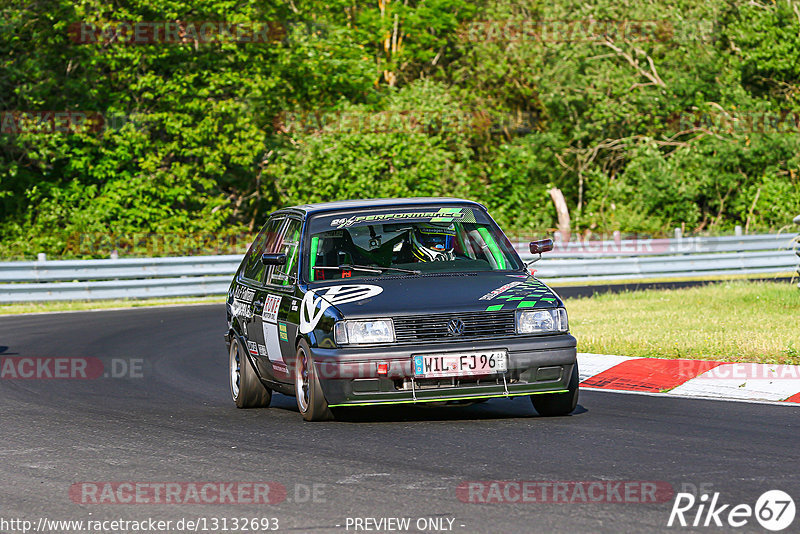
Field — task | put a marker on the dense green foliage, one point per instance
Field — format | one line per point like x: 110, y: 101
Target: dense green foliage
x: 690, y: 119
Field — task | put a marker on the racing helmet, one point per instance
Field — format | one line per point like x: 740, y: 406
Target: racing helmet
x: 433, y: 242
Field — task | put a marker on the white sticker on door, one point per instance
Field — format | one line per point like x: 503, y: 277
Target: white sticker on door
x: 271, y: 339
x: 271, y: 306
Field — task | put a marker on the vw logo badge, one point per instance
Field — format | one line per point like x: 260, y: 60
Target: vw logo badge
x: 455, y: 327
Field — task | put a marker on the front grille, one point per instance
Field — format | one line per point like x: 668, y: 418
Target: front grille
x: 433, y: 327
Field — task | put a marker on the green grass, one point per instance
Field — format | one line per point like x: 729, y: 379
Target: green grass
x: 729, y: 321
x: 82, y: 305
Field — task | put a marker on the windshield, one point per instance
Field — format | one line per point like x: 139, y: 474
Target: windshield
x: 409, y: 241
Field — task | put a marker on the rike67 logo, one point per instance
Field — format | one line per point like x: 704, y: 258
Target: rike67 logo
x: 774, y: 510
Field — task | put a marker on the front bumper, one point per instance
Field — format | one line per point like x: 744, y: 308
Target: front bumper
x: 349, y: 376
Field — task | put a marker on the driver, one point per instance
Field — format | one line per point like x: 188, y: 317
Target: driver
x: 433, y: 242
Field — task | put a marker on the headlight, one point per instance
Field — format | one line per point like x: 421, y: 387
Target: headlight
x: 542, y: 321
x: 372, y: 331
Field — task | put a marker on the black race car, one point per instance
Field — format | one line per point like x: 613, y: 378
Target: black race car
x: 393, y: 301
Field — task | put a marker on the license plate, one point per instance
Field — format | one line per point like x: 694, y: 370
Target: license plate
x: 460, y: 364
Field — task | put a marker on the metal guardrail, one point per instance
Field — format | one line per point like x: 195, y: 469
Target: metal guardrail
x: 116, y: 289
x: 28, y: 281
x: 797, y: 247
x: 660, y: 247
x: 570, y: 262
x: 626, y: 259
x: 119, y: 269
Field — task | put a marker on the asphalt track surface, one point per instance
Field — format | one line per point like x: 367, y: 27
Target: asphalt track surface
x: 176, y: 422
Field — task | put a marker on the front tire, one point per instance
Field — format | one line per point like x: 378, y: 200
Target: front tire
x: 554, y: 404
x: 247, y: 391
x: 310, y: 401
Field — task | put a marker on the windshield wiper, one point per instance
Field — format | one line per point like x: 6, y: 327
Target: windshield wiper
x: 369, y: 269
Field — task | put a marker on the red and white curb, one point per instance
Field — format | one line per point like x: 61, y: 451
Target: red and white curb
x: 691, y: 378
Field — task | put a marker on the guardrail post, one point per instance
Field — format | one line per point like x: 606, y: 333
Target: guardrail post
x: 41, y: 257
x: 797, y: 246
x: 737, y: 231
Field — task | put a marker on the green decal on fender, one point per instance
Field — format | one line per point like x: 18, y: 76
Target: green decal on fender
x: 282, y: 331
x: 530, y: 294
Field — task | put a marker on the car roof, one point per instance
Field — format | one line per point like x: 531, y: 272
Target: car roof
x: 379, y: 203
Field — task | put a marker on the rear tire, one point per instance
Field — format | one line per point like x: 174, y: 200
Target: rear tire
x: 247, y: 391
x: 310, y: 401
x: 554, y: 404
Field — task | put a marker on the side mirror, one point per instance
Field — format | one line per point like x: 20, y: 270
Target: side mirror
x: 543, y: 245
x: 273, y: 259
x: 797, y: 220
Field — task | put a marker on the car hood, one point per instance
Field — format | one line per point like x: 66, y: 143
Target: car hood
x: 440, y: 293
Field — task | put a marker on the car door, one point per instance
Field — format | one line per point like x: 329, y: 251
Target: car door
x: 252, y: 281
x: 277, y: 303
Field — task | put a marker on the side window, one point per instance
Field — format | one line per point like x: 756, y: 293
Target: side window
x: 285, y: 275
x: 265, y: 242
